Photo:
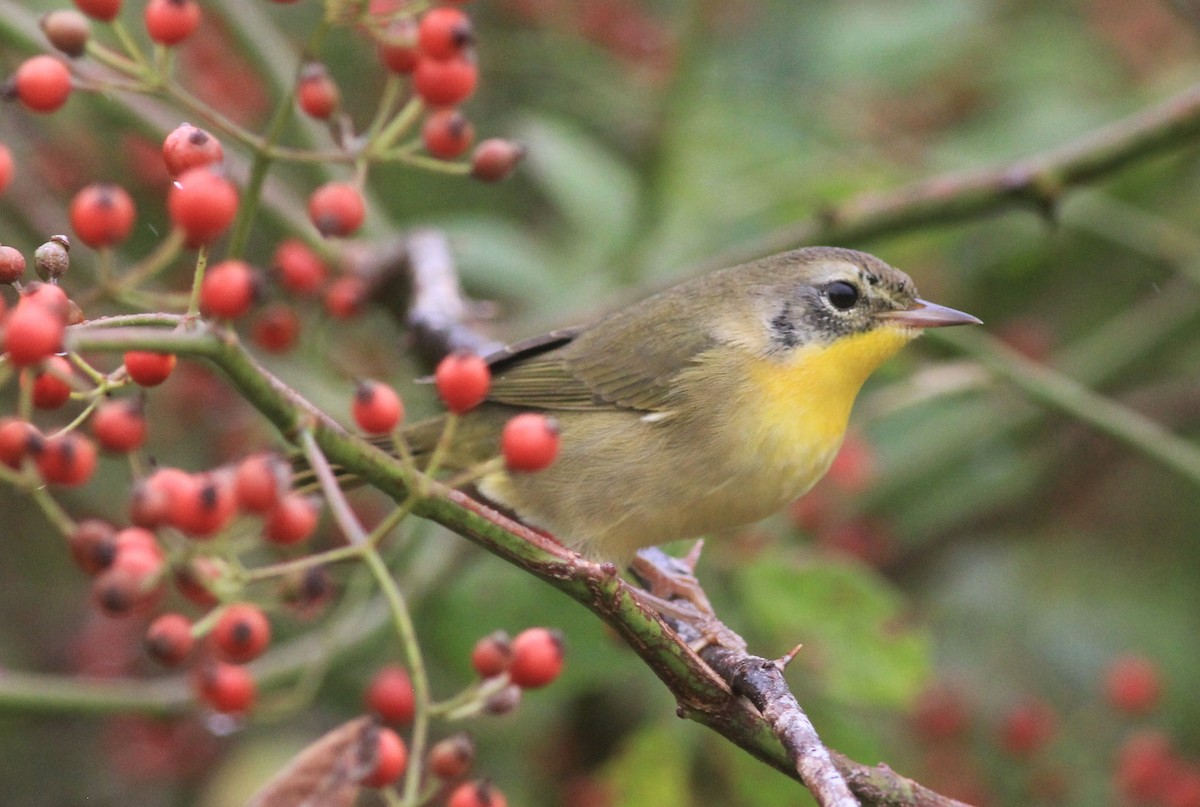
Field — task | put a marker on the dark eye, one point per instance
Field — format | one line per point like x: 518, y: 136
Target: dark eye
x: 843, y: 295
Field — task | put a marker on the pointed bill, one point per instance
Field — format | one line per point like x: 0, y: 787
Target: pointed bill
x: 924, y: 314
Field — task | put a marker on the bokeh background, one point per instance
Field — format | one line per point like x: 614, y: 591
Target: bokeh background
x: 963, y: 581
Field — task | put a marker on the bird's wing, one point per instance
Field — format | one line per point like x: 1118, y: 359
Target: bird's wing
x: 623, y: 361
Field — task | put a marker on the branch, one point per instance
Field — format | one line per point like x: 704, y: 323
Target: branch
x: 1037, y: 183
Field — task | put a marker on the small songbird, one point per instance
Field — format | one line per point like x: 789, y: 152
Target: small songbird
x: 707, y: 406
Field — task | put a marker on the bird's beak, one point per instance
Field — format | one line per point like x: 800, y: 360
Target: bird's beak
x: 924, y: 314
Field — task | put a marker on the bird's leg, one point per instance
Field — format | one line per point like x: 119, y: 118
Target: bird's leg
x: 671, y: 589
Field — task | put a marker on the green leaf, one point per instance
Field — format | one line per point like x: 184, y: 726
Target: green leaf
x: 852, y: 625
x: 651, y: 768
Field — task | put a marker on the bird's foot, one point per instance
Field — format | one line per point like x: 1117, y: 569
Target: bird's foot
x: 671, y: 589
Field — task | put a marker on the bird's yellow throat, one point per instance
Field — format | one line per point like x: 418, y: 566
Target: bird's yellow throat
x: 804, y: 404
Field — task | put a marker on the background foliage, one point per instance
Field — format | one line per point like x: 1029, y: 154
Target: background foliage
x: 976, y: 541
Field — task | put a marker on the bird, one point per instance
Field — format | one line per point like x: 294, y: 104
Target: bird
x: 705, y: 407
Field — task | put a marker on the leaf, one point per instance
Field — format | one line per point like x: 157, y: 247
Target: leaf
x: 851, y: 625
x: 651, y: 768
x: 326, y: 773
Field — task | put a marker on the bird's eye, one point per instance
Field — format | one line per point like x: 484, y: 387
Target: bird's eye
x: 842, y: 295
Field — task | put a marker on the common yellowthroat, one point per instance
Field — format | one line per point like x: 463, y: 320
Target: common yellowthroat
x: 707, y: 406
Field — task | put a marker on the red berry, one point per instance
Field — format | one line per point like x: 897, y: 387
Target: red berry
x: 18, y: 438
x: 134, y: 578
x: 452, y: 757
x: 194, y: 581
x: 67, y: 459
x: 390, y: 695
x: 93, y: 545
x: 6, y: 166
x: 188, y: 147
x: 377, y: 408
x: 853, y: 469
x: 462, y: 381
x: 260, y: 481
x: 447, y: 133
x: 152, y: 499
x: 300, y: 269
x: 149, y: 369
x: 492, y: 654
x: 103, y: 10
x: 1133, y: 685
x: 477, y: 794
x: 228, y: 289
x: 495, y: 159
x: 316, y: 91
x: 42, y: 83
x: 390, y: 758
x: 444, y: 33
x: 120, y: 425
x: 1146, y: 766
x: 32, y: 332
x: 202, y: 504
x: 398, y: 45
x: 292, y: 520
x: 12, y: 264
x: 336, y: 209
x: 537, y: 657
x: 227, y: 688
x: 529, y: 442
x: 1028, y: 728
x: 445, y: 82
x: 242, y: 633
x: 169, y: 639
x: 169, y: 22
x: 102, y: 215
x: 940, y: 713
x: 202, y: 204
x: 276, y: 328
x: 344, y: 297
x: 50, y: 391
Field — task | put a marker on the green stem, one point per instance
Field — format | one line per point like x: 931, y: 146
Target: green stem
x: 72, y: 696
x: 193, y: 309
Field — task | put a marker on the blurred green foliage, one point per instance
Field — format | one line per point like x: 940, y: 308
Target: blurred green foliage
x: 1012, y: 552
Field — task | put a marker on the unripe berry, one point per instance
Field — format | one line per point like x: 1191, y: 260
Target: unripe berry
x: 228, y: 290
x: 242, y: 633
x: 444, y: 33
x: 12, y: 265
x: 149, y: 369
x: 202, y: 204
x: 390, y: 757
x: 529, y: 442
x: 227, y: 688
x: 299, y: 269
x: 377, y: 408
x: 42, y: 83
x: 292, y: 520
x: 447, y: 133
x: 52, y: 259
x: 495, y: 159
x: 102, y: 215
x: 336, y: 209
x: 390, y: 695
x: 462, y: 381
x: 120, y: 425
x: 169, y: 639
x: 188, y: 147
x: 445, y: 82
x: 67, y: 30
x: 477, y: 794
x: 316, y: 91
x: 537, y: 657
x: 452, y: 757
x: 50, y: 391
x: 169, y: 22
x: 103, y: 10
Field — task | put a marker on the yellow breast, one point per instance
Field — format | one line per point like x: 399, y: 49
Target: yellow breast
x: 802, y: 405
